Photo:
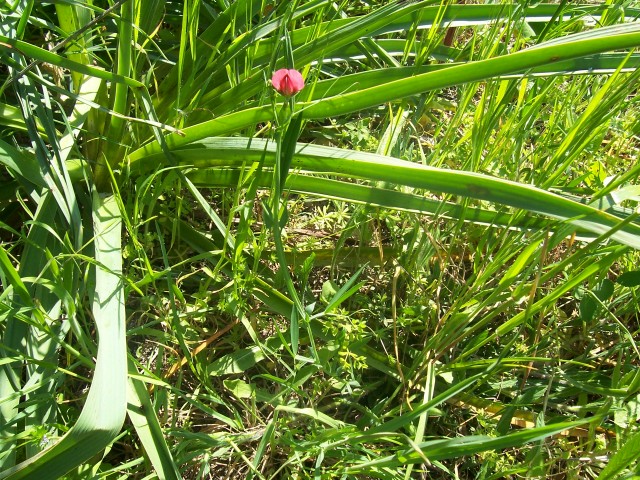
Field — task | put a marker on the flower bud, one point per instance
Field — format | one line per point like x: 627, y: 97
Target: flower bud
x: 288, y: 82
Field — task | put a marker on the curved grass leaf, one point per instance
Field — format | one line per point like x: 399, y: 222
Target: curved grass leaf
x: 10, y: 116
x: 592, y: 64
x: 36, y: 53
x: 23, y: 165
x: 339, y: 35
x: 73, y: 18
x: 103, y: 414
x: 572, y: 46
x: 235, y: 152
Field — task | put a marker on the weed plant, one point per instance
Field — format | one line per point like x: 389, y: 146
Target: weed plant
x: 423, y: 265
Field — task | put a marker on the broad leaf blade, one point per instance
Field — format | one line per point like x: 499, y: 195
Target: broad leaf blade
x: 103, y: 414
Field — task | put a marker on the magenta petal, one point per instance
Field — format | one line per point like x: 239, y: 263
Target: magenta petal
x: 278, y: 76
x: 287, y: 81
x: 297, y: 82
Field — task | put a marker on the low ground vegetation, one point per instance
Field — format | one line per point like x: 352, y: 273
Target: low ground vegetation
x: 423, y: 264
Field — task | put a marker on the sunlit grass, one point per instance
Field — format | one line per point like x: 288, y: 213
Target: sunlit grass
x: 445, y: 288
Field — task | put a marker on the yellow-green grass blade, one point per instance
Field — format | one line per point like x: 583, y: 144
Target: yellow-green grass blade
x: 23, y: 165
x: 378, y: 197
x: 367, y: 195
x: 72, y: 18
x: 13, y: 278
x: 571, y: 46
x: 340, y: 36
x: 594, y: 64
x: 397, y: 47
x: 459, y: 15
x: 148, y: 15
x: 624, y: 457
x: 33, y: 52
x: 10, y: 116
x: 234, y: 152
x: 103, y: 414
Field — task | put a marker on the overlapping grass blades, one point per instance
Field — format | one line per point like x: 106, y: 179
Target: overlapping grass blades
x: 105, y: 407
x: 142, y: 415
x: 380, y: 90
x: 442, y: 449
x: 334, y: 38
x: 235, y: 152
x: 219, y: 71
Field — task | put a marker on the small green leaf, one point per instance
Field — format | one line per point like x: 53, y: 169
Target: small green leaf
x: 346, y: 291
x: 329, y: 290
x: 240, y: 388
x: 628, y: 454
x: 629, y: 279
x: 236, y: 362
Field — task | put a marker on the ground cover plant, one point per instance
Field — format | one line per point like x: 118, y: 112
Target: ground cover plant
x: 422, y: 264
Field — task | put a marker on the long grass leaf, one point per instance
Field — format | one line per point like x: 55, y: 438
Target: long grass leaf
x: 347, y: 163
x: 458, y: 447
x: 103, y: 414
x: 628, y: 453
x: 42, y: 55
x: 144, y: 419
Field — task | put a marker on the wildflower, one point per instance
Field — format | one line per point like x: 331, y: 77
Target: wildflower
x: 287, y: 81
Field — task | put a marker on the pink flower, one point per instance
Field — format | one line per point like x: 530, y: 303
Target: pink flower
x: 287, y: 82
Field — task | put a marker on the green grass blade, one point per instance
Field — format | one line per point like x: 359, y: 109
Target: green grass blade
x: 72, y: 18
x: 461, y: 446
x: 342, y: 35
x: 348, y: 289
x: 628, y: 453
x: 345, y: 163
x: 103, y: 414
x: 37, y: 346
x: 144, y: 419
x: 572, y: 46
x: 368, y: 195
x: 588, y: 65
x: 10, y: 116
x: 13, y: 278
x: 42, y: 55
